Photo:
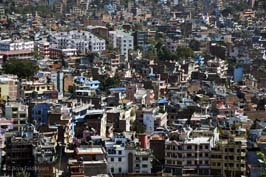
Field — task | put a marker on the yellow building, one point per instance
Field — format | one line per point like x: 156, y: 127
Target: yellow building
x: 40, y: 88
x: 229, y: 157
x: 8, y: 87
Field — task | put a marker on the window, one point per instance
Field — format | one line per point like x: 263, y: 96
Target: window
x: 112, y: 159
x: 137, y: 165
x: 137, y: 158
x: 119, y: 169
x: 144, y: 158
x: 189, y: 147
x: 144, y: 166
x: 189, y: 162
x: 112, y: 170
x: 119, y: 159
x: 119, y: 152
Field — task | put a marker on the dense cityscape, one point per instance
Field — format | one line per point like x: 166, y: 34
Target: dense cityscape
x: 115, y: 88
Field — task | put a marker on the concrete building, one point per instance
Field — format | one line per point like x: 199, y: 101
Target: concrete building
x: 88, y: 161
x: 8, y: 87
x: 189, y: 155
x: 121, y: 40
x: 9, y: 45
x: 18, y: 112
x: 83, y: 41
x: 153, y: 118
x: 229, y: 157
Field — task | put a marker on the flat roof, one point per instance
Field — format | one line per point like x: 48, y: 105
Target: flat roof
x: 89, y: 150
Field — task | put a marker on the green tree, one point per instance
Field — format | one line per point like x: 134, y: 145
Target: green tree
x: 21, y: 68
x: 194, y: 45
x: 166, y: 54
x: 184, y: 53
x: 150, y: 53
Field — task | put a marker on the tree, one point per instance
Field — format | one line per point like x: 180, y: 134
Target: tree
x: 166, y: 54
x: 194, y: 45
x: 150, y: 53
x: 21, y: 68
x: 184, y: 53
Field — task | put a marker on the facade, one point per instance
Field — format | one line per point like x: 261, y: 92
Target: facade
x: 29, y: 88
x: 9, y: 45
x: 18, y: 112
x: 229, y: 157
x: 153, y: 118
x: 39, y: 113
x: 83, y: 41
x: 121, y: 40
x: 8, y: 87
x: 189, y: 155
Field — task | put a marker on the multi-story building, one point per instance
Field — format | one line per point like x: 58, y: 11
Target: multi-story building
x: 43, y: 49
x: 8, y: 87
x: 216, y: 67
x: 188, y: 155
x: 88, y: 161
x: 153, y: 118
x: 141, y: 38
x: 228, y: 158
x: 123, y: 157
x: 30, y: 88
x: 18, y: 112
x: 121, y: 40
x: 9, y: 45
x: 83, y: 41
x: 116, y: 155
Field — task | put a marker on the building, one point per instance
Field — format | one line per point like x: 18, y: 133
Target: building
x: 187, y: 155
x: 229, y: 157
x: 18, y: 112
x: 121, y: 40
x: 141, y: 38
x: 153, y: 118
x: 9, y: 45
x: 88, y: 161
x: 36, y: 89
x: 39, y: 113
x: 83, y: 41
x: 8, y: 87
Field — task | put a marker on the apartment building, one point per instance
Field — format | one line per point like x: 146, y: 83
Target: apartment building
x: 83, y: 41
x: 8, y: 87
x: 43, y: 48
x: 18, y: 112
x: 121, y: 40
x: 229, y: 157
x: 10, y: 45
x: 216, y: 67
x: 88, y: 161
x: 116, y: 155
x: 29, y: 87
x: 124, y: 158
x: 189, y: 155
x: 153, y: 118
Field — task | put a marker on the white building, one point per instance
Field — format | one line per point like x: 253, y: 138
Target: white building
x: 123, y: 157
x: 83, y: 41
x: 10, y: 45
x: 123, y: 41
x: 117, y: 155
x: 153, y: 118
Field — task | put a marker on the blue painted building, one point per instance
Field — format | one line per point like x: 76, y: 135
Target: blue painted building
x: 40, y: 113
x: 238, y: 73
